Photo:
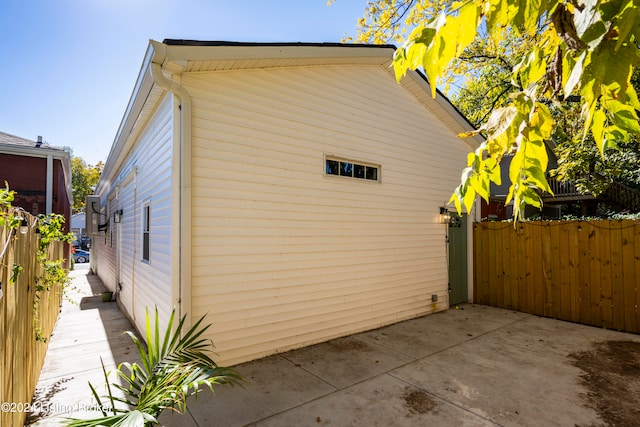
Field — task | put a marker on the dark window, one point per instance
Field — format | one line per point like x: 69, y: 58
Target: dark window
x: 351, y: 169
x: 346, y: 169
x: 372, y: 173
x: 333, y: 167
x: 146, y: 228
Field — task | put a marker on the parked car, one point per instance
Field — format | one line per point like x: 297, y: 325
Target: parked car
x: 83, y: 243
x: 81, y: 256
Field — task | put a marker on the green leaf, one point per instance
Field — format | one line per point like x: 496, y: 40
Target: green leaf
x: 500, y: 120
x: 586, y: 16
x: 434, y: 60
x: 16, y: 269
x: 624, y: 116
x: 542, y: 121
x: 538, y: 178
x: 516, y: 166
x: 469, y: 198
x: 463, y: 28
x: 415, y: 54
x: 480, y: 185
x: 456, y: 197
x: 576, y: 73
x: 612, y: 136
x: 532, y: 68
x: 627, y: 22
x: 175, y: 365
x: 400, y: 63
x: 531, y: 198
x: 528, y: 15
x: 632, y: 98
x: 492, y: 169
x: 597, y: 129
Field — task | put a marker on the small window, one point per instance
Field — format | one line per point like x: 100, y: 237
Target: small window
x: 333, y: 167
x: 351, y: 169
x: 372, y: 173
x: 346, y: 169
x: 146, y: 228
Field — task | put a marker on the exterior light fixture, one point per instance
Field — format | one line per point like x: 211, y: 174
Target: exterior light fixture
x: 445, y: 216
x: 24, y: 226
x: 117, y: 216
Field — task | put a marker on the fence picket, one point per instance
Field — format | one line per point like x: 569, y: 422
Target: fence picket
x: 606, y: 302
x: 636, y: 240
x: 594, y: 284
x: 574, y: 263
x: 553, y: 307
x: 629, y: 275
x: 21, y: 356
x: 512, y: 264
x: 617, y: 290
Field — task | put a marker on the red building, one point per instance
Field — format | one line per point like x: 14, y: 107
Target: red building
x: 40, y: 175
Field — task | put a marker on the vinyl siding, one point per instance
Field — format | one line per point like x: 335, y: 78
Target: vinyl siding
x: 104, y: 250
x: 284, y: 256
x: 128, y: 249
x: 145, y: 177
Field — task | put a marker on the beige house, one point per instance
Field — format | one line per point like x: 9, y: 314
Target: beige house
x: 291, y: 192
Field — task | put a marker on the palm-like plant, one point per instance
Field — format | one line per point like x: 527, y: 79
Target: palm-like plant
x: 174, y: 366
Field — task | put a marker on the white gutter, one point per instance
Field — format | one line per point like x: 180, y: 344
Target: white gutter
x: 184, y: 186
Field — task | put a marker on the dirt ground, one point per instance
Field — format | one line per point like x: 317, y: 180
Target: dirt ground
x: 417, y: 401
x: 611, y: 373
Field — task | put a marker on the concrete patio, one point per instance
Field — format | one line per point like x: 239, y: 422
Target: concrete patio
x: 475, y: 365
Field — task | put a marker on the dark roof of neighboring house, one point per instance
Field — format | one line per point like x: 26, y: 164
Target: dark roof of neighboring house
x: 8, y: 139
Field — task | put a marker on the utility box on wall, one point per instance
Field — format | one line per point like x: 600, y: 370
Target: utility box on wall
x: 93, y: 215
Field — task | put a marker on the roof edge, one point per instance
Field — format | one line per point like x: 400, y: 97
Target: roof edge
x: 188, y: 42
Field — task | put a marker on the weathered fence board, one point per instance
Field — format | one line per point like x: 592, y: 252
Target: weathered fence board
x: 21, y: 356
x: 580, y: 271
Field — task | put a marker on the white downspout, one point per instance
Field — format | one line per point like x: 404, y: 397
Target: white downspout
x: 49, y: 199
x: 184, y: 161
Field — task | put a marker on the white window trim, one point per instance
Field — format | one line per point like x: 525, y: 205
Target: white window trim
x: 354, y: 162
x: 146, y: 229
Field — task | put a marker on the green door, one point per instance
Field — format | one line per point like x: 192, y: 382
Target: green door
x: 458, y: 285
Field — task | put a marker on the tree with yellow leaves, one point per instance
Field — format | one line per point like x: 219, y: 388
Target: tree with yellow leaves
x: 586, y: 49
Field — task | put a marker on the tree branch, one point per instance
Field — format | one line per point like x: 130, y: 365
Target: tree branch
x: 470, y: 58
x: 493, y: 104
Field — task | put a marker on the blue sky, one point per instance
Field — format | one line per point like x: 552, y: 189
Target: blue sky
x: 68, y: 66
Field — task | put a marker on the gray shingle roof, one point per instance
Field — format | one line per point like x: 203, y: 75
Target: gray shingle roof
x: 8, y: 139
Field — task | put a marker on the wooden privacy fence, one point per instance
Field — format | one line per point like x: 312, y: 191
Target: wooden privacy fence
x: 580, y: 271
x: 21, y: 356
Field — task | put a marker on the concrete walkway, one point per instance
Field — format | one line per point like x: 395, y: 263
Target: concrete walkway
x: 88, y: 331
x: 472, y: 366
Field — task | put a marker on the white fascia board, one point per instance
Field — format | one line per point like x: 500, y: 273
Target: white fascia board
x: 374, y: 55
x: 33, y: 151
